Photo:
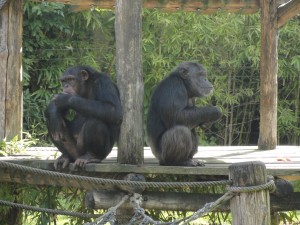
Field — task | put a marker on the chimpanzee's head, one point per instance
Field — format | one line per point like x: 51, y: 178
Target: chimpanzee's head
x: 195, y: 79
x: 74, y: 80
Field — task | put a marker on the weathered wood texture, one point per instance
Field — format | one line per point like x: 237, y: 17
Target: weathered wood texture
x: 129, y: 211
x: 284, y: 161
x: 19, y: 177
x: 178, y: 201
x: 288, y: 11
x: 253, y: 207
x: 153, y: 200
x: 268, y: 76
x: 128, y: 27
x: 203, y: 7
x: 10, y: 67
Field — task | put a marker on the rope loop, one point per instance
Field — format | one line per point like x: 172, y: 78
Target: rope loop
x: 270, y: 185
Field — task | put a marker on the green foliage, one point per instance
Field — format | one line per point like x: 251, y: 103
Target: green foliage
x: 54, y: 39
x: 289, y: 83
x: 71, y: 199
x: 227, y: 45
x: 15, y: 145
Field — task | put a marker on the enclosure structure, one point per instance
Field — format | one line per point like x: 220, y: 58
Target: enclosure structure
x: 244, y: 166
x: 274, y: 14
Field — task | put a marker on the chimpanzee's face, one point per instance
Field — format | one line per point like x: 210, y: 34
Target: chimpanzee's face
x: 74, y: 84
x: 71, y: 84
x: 195, y: 79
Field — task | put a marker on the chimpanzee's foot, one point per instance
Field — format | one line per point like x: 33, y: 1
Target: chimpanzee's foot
x: 61, y: 162
x: 85, y: 159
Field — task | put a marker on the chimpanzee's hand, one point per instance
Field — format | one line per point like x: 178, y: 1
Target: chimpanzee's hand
x: 61, y: 101
x: 206, y: 126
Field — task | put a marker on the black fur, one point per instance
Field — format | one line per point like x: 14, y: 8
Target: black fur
x: 91, y: 134
x: 173, y: 116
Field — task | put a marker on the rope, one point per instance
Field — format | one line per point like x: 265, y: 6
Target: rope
x: 135, y: 199
x: 52, y: 211
x: 232, y: 191
x: 102, y: 181
x: 109, y: 216
x: 270, y: 185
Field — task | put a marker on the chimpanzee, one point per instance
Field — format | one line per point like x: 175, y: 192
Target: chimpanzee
x: 94, y: 101
x: 173, y: 116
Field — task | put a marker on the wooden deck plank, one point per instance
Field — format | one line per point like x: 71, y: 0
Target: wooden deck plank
x: 216, y: 158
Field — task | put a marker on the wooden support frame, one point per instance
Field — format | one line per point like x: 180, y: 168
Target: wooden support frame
x: 288, y: 11
x: 203, y: 7
x: 178, y: 201
x: 128, y: 27
x: 268, y: 76
x: 11, y: 16
x: 245, y: 205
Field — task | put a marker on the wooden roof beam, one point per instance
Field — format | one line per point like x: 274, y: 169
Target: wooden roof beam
x: 203, y: 7
x: 288, y: 11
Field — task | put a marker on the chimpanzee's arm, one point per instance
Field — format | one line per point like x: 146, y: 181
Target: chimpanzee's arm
x: 108, y: 111
x: 177, y: 111
x: 195, y: 116
x: 58, y: 130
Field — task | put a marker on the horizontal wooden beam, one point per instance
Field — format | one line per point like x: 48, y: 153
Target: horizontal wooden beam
x: 178, y: 201
x: 203, y: 7
x: 288, y: 11
x: 175, y: 201
x: 284, y: 170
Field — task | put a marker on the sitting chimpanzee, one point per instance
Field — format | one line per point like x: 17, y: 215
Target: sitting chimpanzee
x: 95, y: 127
x: 173, y: 116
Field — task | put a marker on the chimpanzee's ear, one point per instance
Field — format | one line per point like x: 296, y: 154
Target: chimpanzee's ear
x: 184, y: 72
x: 84, y: 74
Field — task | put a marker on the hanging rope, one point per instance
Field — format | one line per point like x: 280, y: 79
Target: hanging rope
x: 44, y: 210
x: 141, y: 218
x: 109, y: 216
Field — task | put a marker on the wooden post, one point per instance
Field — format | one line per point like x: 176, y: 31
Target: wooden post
x: 11, y: 16
x: 128, y: 27
x: 124, y: 214
x: 253, y: 207
x: 268, y: 76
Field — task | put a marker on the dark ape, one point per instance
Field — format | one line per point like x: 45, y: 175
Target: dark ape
x: 173, y: 116
x: 91, y: 134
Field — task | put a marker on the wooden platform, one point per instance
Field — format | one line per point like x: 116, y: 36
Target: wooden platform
x: 284, y: 161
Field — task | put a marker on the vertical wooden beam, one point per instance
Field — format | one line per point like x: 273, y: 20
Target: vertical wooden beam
x: 3, y: 67
x: 268, y: 76
x: 128, y: 27
x: 253, y: 207
x: 11, y: 17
